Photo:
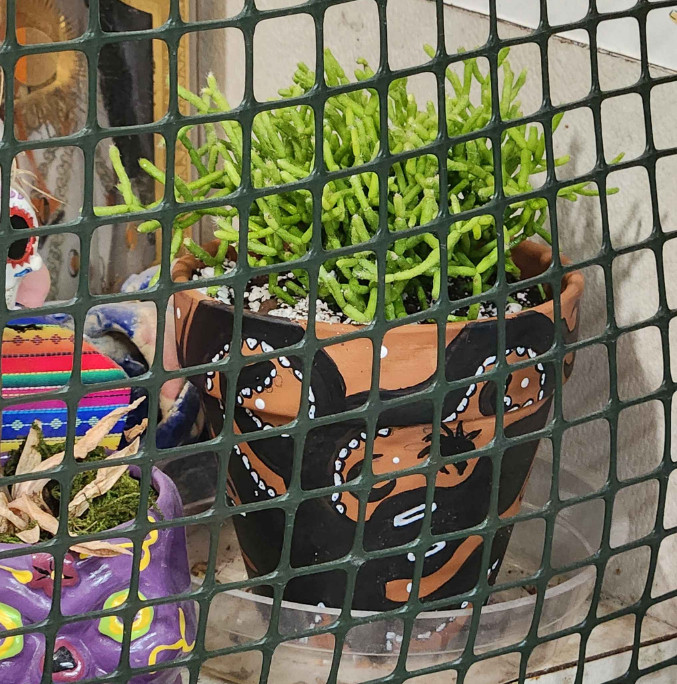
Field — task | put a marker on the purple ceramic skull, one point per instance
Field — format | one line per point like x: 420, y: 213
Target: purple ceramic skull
x: 92, y: 647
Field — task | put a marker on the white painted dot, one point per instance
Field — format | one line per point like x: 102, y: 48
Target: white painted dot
x: 396, y: 460
x: 178, y: 312
x: 384, y: 352
x: 525, y: 383
x: 260, y: 404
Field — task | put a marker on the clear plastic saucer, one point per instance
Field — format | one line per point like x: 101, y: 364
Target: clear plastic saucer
x: 372, y: 650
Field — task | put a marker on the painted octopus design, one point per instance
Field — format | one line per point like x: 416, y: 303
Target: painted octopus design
x: 268, y: 394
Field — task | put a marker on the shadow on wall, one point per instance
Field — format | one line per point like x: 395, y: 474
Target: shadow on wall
x: 587, y: 448
x: 633, y: 283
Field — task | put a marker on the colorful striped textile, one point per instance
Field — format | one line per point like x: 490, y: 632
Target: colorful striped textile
x: 38, y: 358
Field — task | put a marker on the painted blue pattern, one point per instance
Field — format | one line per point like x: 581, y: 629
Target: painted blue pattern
x: 17, y: 423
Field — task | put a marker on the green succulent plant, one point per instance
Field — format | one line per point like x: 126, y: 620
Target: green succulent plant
x: 283, y: 151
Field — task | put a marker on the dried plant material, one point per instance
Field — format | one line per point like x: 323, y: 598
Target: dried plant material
x: 95, y: 435
x: 35, y: 487
x: 49, y: 523
x: 31, y: 535
x: 100, y: 548
x: 6, y: 526
x: 105, y: 480
x: 45, y: 520
x: 88, y: 442
x: 10, y: 517
x: 130, y: 450
x: 29, y: 461
x: 24, y: 513
x: 30, y: 457
x: 136, y: 431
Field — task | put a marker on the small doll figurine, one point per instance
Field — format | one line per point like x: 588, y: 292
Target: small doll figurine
x: 22, y: 256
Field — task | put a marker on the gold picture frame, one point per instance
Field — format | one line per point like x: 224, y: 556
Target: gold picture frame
x: 158, y: 11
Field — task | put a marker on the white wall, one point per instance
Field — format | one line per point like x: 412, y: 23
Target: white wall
x: 620, y: 35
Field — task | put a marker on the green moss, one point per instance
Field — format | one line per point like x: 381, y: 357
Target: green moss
x: 9, y: 539
x: 115, y: 507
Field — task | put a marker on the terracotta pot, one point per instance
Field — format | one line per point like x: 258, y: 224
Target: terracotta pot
x: 269, y: 393
x: 92, y: 648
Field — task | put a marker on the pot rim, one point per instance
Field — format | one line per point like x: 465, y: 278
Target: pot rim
x: 160, y: 482
x: 526, y: 252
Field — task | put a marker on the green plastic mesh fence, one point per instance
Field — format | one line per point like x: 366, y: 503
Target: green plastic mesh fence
x: 383, y: 530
